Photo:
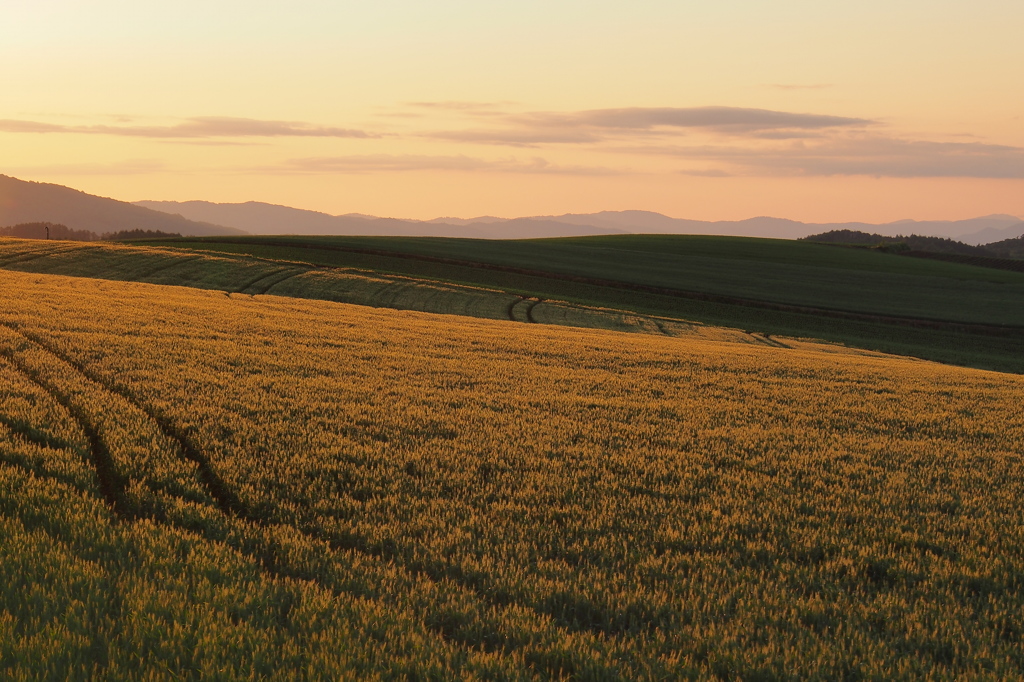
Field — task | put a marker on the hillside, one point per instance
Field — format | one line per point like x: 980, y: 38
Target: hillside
x: 195, y: 485
x: 773, y: 271
x: 673, y: 286
x: 37, y: 202
x: 269, y: 219
x: 1008, y: 248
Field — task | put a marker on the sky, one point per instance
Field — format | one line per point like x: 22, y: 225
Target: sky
x: 815, y: 111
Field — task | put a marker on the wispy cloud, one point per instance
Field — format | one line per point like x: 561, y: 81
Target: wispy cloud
x: 192, y: 128
x: 596, y: 125
x: 413, y: 162
x: 722, y: 119
x: 875, y: 155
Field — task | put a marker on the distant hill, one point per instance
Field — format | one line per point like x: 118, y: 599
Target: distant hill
x: 266, y: 219
x: 36, y: 202
x: 1008, y: 248
x: 993, y: 234
x: 271, y: 219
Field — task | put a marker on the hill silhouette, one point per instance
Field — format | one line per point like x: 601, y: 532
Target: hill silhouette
x: 23, y: 202
x: 271, y: 219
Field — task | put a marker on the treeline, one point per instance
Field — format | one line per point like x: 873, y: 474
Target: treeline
x: 1007, y: 248
x: 132, y: 235
x: 59, y: 231
x: 47, y: 231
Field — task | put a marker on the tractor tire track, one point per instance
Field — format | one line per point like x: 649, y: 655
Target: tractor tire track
x: 110, y: 482
x: 232, y: 506
x: 168, y: 266
x: 241, y: 289
x: 266, y: 289
x: 265, y: 551
x: 218, y: 489
x: 529, y: 310
x: 511, y: 307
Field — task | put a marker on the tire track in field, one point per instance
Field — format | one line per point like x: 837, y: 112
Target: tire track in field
x: 266, y: 551
x: 529, y: 310
x: 562, y: 615
x: 765, y: 339
x: 511, y: 307
x: 110, y: 482
x: 218, y: 489
x: 248, y: 285
x: 168, y: 266
x: 659, y: 325
x: 775, y: 343
x: 256, y: 280
x: 267, y: 288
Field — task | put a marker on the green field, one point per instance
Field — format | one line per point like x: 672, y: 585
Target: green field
x: 780, y: 271
x: 941, y: 311
x: 929, y: 309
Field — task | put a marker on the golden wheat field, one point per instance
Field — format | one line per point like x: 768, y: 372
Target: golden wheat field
x: 196, y: 485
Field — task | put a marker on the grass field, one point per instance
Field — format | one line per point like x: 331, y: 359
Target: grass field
x: 778, y: 271
x: 200, y: 485
x: 934, y: 310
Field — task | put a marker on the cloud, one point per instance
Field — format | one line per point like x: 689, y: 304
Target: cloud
x: 877, y: 156
x: 722, y: 119
x: 597, y: 125
x: 192, y: 128
x: 413, y: 162
x: 13, y: 126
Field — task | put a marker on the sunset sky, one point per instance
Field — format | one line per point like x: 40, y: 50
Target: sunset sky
x: 815, y: 111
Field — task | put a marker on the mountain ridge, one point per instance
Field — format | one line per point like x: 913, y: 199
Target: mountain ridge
x: 23, y: 201
x: 973, y: 231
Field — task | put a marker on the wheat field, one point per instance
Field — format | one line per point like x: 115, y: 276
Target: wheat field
x: 196, y: 485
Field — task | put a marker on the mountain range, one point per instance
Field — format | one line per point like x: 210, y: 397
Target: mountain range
x: 35, y: 202
x: 265, y: 219
x: 38, y: 202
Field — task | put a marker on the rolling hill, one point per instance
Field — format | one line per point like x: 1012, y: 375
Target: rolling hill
x: 37, y: 202
x: 269, y: 219
x: 662, y: 285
